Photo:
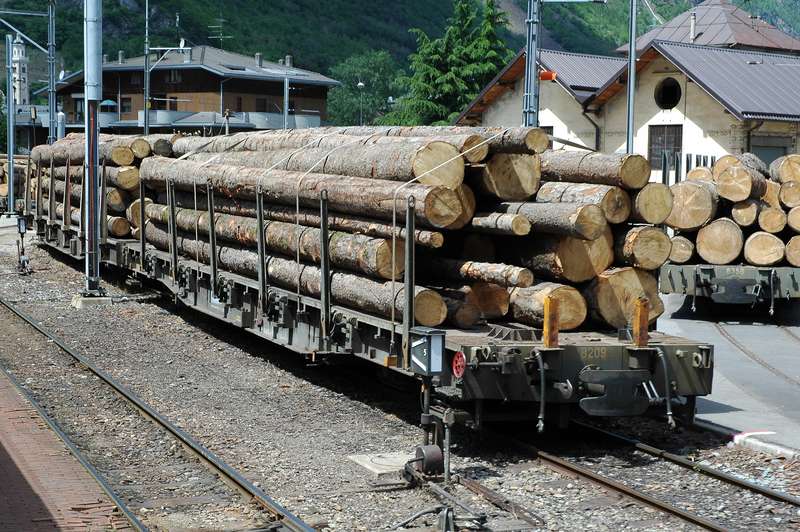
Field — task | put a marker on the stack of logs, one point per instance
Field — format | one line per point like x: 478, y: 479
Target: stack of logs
x: 120, y: 158
x: 740, y: 210
x: 20, y: 171
x: 501, y: 221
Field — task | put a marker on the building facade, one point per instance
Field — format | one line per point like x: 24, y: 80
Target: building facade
x: 20, y: 79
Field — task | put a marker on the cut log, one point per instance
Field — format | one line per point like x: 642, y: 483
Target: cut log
x: 615, y: 202
x: 652, y: 204
x: 508, y: 176
x: 467, y: 270
x: 124, y: 177
x: 745, y: 213
x: 527, y: 305
x: 643, y: 246
x: 492, y: 299
x: 117, y: 227
x: 793, y: 251
x: 700, y: 173
x: 567, y: 258
x: 461, y: 313
x: 467, y: 199
x: 773, y: 194
x: 116, y: 199
x: 372, y: 256
x: 579, y: 220
x: 793, y: 219
x: 354, y: 291
x: 500, y: 223
x: 772, y: 220
x: 764, y: 249
x: 500, y: 140
x: 720, y: 242
x: 612, y: 297
x: 785, y: 169
x: 133, y: 212
x: 694, y: 204
x: 437, y: 163
x: 790, y: 194
x: 737, y: 180
x: 435, y: 206
x: 682, y: 250
x: 307, y: 217
x: 623, y: 170
x: 754, y: 161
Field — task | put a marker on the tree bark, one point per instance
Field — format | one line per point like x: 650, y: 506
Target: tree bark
x: 720, y: 242
x: 613, y: 295
x: 503, y: 140
x: 354, y: 291
x: 615, y: 202
x: 785, y: 169
x: 500, y: 223
x: 435, y: 206
x: 772, y: 220
x: 763, y: 249
x: 359, y: 253
x: 793, y: 219
x: 790, y: 194
x: 627, y: 171
x: 793, y: 251
x: 114, y: 149
x: 467, y: 270
x: 682, y: 250
x: 652, y: 204
x: 564, y: 258
x: 116, y: 199
x: 123, y: 177
x: 737, y: 179
x: 507, y: 176
x: 437, y: 163
x: 308, y: 217
x: 745, y: 213
x: 527, y: 305
x: 579, y: 220
x: 468, y: 145
x: 694, y: 204
x: 642, y: 246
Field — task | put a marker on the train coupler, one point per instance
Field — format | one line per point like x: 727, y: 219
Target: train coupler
x: 620, y: 392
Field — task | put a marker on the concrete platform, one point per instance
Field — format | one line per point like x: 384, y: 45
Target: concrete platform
x: 757, y: 368
x: 43, y: 487
x: 385, y: 466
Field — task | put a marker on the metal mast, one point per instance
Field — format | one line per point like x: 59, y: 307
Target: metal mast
x: 631, y: 75
x: 147, y: 67
x: 51, y: 70
x: 10, y: 115
x: 93, y: 95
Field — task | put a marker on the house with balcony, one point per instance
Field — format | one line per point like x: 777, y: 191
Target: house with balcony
x: 193, y: 90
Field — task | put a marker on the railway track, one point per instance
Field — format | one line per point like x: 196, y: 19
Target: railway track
x: 755, y: 357
x: 283, y: 520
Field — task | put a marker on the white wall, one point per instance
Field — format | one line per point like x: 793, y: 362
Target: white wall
x: 558, y: 109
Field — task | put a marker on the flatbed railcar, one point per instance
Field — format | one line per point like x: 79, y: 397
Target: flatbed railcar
x: 732, y: 284
x: 496, y: 373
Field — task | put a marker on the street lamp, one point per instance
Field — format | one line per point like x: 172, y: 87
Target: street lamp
x: 360, y: 102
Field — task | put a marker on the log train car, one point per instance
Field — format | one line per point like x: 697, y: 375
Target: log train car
x: 511, y: 372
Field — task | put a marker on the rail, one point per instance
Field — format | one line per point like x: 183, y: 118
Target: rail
x: 288, y: 520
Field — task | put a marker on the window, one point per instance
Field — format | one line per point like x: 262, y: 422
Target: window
x: 238, y: 104
x: 174, y: 76
x: 78, y: 110
x: 663, y: 138
x: 126, y: 105
x: 668, y: 93
x: 770, y: 148
x: 136, y: 79
x: 261, y: 105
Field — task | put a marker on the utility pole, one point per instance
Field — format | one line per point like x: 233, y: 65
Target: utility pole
x: 530, y: 111
x: 146, y: 67
x: 360, y: 103
x: 93, y: 95
x: 286, y: 100
x: 10, y: 115
x: 631, y: 75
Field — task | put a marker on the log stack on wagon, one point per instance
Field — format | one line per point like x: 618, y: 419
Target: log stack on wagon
x: 738, y: 211
x: 501, y: 222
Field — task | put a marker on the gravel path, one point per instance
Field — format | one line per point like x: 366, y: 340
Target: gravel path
x: 288, y: 427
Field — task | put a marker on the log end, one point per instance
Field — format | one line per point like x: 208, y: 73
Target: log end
x: 122, y: 155
x: 432, y: 167
x: 430, y: 309
x: 772, y: 220
x: 536, y: 140
x: 140, y: 148
x: 651, y: 248
x: 616, y: 205
x: 384, y: 256
x: 720, y: 242
x: 653, y: 203
x: 467, y: 199
x: 734, y: 183
x: 442, y: 206
x: 473, y: 150
x: 512, y: 176
x: 492, y: 299
x: 590, y: 222
x: 790, y: 194
x: 581, y: 260
x: 764, y: 249
x: 614, y: 294
x: 793, y: 251
x: 682, y: 250
x: 634, y: 172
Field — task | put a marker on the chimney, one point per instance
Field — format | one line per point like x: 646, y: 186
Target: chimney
x: 120, y: 57
x: 288, y: 60
x: 693, y: 27
x: 259, y: 60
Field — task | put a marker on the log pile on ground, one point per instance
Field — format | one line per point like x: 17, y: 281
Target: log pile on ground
x: 501, y: 222
x: 740, y: 211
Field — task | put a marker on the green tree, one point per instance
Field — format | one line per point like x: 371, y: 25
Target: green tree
x: 489, y: 51
x: 377, y: 71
